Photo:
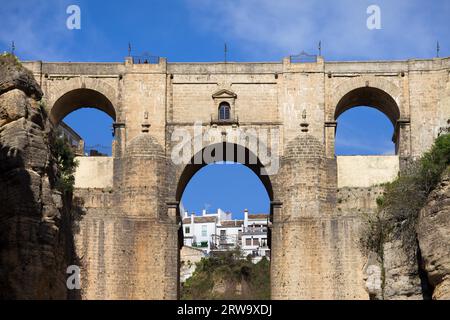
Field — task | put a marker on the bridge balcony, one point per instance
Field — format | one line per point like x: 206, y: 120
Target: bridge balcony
x: 233, y: 120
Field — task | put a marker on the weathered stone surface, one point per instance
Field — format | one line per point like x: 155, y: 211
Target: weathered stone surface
x: 34, y: 234
x: 14, y: 76
x: 402, y: 281
x: 13, y: 106
x: 433, y: 230
x: 129, y: 235
x: 373, y: 277
x: 189, y: 256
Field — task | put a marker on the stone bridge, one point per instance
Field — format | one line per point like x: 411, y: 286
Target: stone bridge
x: 279, y: 119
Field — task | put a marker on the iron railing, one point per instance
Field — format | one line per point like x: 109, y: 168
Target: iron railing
x: 223, y: 242
x: 145, y: 59
x: 254, y: 230
x: 303, y: 57
x: 98, y: 150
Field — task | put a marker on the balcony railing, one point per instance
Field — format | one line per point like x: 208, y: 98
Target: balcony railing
x: 145, y: 59
x: 223, y: 242
x: 254, y: 230
x: 303, y: 57
x: 223, y: 122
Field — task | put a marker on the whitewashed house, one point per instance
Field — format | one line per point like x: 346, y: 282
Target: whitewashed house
x: 228, y: 234
x: 197, y: 230
x: 254, y: 236
x: 220, y: 232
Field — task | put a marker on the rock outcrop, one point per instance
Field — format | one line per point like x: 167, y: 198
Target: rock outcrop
x: 433, y: 231
x: 373, y: 277
x: 35, y: 241
x: 14, y: 76
x: 396, y: 276
x: 422, y: 271
x: 401, y: 272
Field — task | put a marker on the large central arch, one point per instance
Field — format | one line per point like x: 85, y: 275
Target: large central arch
x: 232, y: 153
x: 229, y: 152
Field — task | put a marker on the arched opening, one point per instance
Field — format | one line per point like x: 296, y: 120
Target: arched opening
x: 84, y: 118
x: 80, y: 98
x: 225, y: 214
x: 366, y: 123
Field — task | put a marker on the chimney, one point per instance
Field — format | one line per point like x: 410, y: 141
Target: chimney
x: 246, y: 218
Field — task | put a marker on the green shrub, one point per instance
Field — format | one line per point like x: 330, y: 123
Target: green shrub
x: 7, y: 57
x: 399, y: 207
x: 230, y: 268
x: 65, y: 160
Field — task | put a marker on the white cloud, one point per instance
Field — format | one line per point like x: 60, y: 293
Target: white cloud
x: 282, y: 27
x: 37, y: 27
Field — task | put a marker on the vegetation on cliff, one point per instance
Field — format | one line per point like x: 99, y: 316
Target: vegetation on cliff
x: 399, y: 207
x: 228, y: 276
x: 7, y: 57
x: 65, y: 159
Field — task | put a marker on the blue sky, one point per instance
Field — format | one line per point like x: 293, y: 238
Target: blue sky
x: 254, y: 30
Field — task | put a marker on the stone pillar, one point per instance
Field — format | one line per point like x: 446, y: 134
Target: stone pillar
x: 130, y: 250
x: 402, y: 140
x: 173, y: 213
x: 314, y: 250
x: 119, y: 140
x: 330, y: 136
x: 275, y: 248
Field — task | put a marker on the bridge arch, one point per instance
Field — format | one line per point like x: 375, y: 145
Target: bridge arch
x: 231, y: 152
x: 371, y: 97
x: 80, y: 98
x: 224, y: 152
x: 373, y: 92
x: 369, y: 91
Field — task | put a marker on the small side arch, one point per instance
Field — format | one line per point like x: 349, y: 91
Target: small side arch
x: 368, y: 91
x: 370, y: 97
x: 77, y: 93
x: 80, y: 98
x: 377, y: 93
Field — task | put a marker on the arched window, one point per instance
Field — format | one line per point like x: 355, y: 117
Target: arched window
x: 224, y: 111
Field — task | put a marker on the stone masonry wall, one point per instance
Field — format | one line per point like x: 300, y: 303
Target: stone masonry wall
x: 312, y: 239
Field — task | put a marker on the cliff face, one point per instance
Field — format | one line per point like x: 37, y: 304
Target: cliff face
x: 433, y: 231
x: 402, y: 274
x: 422, y: 271
x: 34, y: 230
x: 394, y: 277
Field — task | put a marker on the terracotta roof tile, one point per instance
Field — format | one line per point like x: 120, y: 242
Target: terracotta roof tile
x: 258, y: 216
x: 232, y: 223
x: 200, y: 219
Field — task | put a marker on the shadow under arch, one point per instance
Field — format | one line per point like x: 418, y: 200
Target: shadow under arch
x: 230, y: 152
x: 80, y: 98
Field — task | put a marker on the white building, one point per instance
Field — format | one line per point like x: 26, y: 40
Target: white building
x: 254, y: 236
x: 197, y: 230
x: 72, y: 138
x: 219, y: 232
